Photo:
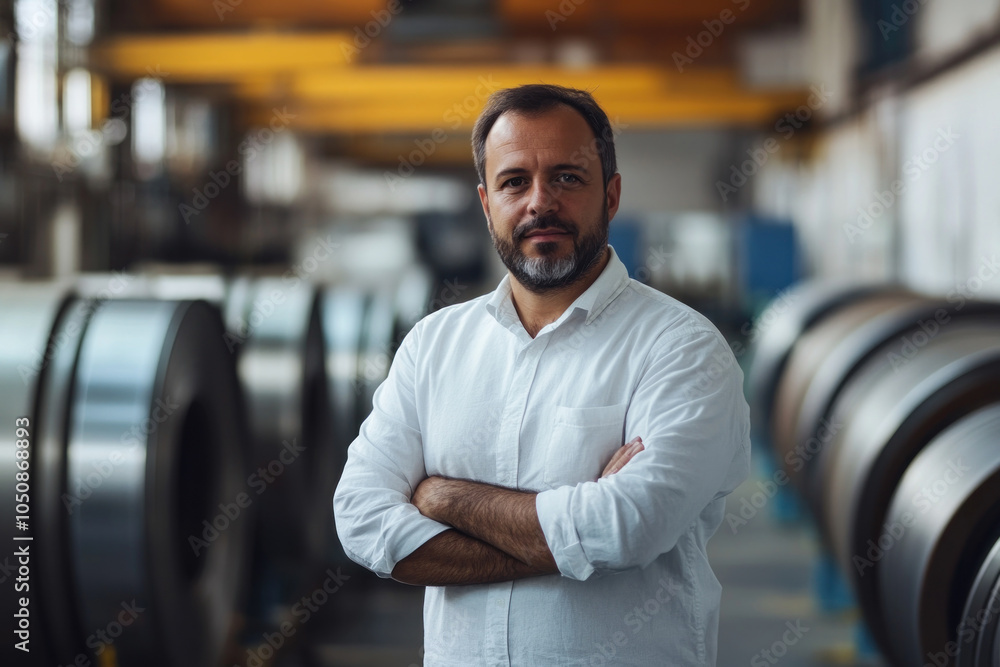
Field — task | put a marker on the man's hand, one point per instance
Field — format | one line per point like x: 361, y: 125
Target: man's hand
x: 623, y: 456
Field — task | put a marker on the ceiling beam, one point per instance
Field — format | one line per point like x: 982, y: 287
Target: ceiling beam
x: 402, y: 84
x: 314, y: 76
x: 219, y: 57
x: 436, y: 118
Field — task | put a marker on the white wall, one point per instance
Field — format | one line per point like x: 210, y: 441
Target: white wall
x: 943, y: 27
x: 951, y: 222
x: 921, y: 164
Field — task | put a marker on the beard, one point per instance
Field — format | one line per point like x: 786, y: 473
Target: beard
x: 550, y: 272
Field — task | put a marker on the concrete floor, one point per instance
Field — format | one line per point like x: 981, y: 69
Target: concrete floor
x: 767, y: 573
x: 766, y: 570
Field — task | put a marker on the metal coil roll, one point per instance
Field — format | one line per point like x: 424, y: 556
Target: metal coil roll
x: 413, y: 299
x: 52, y: 500
x: 281, y: 351
x: 931, y: 566
x: 274, y: 329
x: 777, y: 330
x: 836, y: 350
x: 149, y: 416
x: 856, y: 402
x: 376, y: 347
x: 27, y: 345
x: 156, y: 397
x: 343, y: 315
x: 978, y: 631
x: 832, y: 344
x: 362, y: 331
x: 136, y: 430
x: 885, y: 424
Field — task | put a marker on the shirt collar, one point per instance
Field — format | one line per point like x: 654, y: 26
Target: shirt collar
x: 609, y: 284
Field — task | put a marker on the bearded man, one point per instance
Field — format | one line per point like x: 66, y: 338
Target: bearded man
x: 550, y: 459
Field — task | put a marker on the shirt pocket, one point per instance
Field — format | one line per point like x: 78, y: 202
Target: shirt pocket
x: 582, y: 442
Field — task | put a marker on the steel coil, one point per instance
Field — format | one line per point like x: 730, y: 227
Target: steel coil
x: 154, y: 454
x: 977, y: 631
x: 857, y: 401
x: 779, y: 327
x: 880, y: 424
x: 116, y: 492
x: 412, y: 299
x: 829, y: 355
x: 845, y: 337
x: 52, y: 500
x: 953, y: 486
x: 28, y: 343
x: 281, y: 368
x: 376, y: 348
x: 343, y: 315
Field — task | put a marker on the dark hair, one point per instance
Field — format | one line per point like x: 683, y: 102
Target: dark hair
x: 537, y: 98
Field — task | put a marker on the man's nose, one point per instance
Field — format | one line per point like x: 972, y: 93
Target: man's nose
x: 542, y: 199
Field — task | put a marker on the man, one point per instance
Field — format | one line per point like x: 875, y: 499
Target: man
x: 492, y: 469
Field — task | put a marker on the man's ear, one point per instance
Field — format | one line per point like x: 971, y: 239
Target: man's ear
x: 614, y: 194
x: 484, y: 199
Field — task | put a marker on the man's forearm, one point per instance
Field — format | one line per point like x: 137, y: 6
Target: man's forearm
x: 451, y: 558
x: 500, y: 524
x: 503, y: 518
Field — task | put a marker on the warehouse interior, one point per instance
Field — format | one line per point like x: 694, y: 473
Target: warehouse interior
x: 233, y: 211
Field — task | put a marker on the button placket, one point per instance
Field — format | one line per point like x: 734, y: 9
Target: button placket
x: 507, y: 457
x: 497, y: 610
x: 508, y: 440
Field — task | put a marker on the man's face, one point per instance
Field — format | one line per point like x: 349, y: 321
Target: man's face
x: 544, y: 198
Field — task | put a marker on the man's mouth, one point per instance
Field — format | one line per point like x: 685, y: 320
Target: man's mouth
x: 546, y: 234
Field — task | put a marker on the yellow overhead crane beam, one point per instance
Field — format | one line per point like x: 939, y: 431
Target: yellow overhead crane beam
x: 326, y: 65
x: 422, y: 98
x: 221, y: 57
x: 414, y: 82
x: 316, y: 77
x: 433, y: 115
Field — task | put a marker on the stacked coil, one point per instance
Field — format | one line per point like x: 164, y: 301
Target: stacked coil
x: 135, y: 431
x: 877, y: 403
x: 182, y: 438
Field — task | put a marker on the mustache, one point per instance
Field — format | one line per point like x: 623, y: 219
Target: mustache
x: 549, y: 221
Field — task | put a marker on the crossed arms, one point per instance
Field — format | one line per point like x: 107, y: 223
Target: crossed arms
x: 396, y: 521
x: 495, y: 536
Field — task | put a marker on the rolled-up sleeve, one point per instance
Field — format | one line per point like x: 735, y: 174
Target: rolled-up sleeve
x: 689, y: 410
x: 376, y: 523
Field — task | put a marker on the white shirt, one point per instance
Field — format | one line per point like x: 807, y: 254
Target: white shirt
x: 471, y: 395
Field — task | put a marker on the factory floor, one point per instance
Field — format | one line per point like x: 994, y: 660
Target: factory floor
x: 767, y: 572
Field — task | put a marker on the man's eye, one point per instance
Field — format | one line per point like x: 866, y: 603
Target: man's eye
x: 515, y: 182
x: 568, y: 178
